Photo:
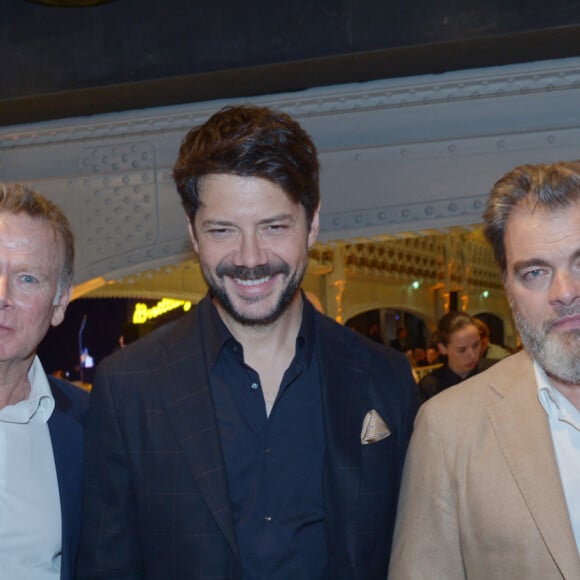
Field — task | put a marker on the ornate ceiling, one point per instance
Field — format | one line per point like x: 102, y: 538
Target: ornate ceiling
x: 457, y: 257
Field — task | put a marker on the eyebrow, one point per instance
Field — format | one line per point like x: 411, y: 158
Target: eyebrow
x: 277, y: 218
x: 262, y: 222
x: 531, y: 263
x: 535, y: 262
x: 212, y: 222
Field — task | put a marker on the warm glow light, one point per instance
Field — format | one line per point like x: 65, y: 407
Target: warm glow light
x: 81, y: 289
x: 142, y: 313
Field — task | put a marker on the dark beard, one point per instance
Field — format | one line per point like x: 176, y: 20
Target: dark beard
x: 242, y: 273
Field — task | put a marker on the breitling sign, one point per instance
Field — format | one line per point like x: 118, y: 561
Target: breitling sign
x: 143, y: 313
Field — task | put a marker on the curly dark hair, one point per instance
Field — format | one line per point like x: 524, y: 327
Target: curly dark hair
x: 249, y: 141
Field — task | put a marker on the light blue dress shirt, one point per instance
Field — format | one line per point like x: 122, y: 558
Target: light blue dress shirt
x: 30, y: 515
x: 564, y: 420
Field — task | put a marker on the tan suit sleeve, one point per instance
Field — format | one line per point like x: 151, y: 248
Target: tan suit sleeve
x: 426, y: 543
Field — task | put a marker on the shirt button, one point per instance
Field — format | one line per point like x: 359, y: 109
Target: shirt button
x: 268, y: 519
x: 268, y: 451
x: 254, y: 386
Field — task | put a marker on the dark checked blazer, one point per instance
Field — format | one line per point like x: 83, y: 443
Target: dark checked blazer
x: 67, y: 437
x: 156, y: 502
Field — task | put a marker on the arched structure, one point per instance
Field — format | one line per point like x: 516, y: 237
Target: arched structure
x: 403, y: 161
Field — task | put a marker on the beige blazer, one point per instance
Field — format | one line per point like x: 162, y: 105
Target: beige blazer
x: 482, y: 497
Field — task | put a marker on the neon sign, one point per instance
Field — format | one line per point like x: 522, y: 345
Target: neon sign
x: 142, y: 313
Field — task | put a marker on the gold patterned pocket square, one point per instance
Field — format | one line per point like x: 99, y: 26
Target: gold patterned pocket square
x: 374, y: 429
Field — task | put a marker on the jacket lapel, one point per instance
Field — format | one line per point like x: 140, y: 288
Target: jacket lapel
x: 343, y: 408
x: 66, y: 436
x: 523, y: 431
x: 189, y: 406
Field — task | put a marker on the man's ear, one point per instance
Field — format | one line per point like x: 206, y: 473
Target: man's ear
x: 59, y: 309
x: 192, y: 236
x: 314, y: 227
x: 442, y: 348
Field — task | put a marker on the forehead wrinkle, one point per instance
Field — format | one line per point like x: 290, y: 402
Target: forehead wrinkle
x: 543, y: 230
x: 41, y: 235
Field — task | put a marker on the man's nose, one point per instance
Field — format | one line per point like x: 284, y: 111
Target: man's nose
x: 565, y: 287
x: 5, y: 297
x: 251, y: 252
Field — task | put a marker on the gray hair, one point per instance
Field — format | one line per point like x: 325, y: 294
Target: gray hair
x: 550, y: 187
x: 17, y: 199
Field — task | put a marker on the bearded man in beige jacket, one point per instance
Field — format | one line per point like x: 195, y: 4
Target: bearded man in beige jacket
x: 491, y: 488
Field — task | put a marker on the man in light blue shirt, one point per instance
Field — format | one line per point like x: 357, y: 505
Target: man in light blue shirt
x: 41, y: 418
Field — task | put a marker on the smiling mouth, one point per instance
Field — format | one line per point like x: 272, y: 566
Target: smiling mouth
x: 256, y: 282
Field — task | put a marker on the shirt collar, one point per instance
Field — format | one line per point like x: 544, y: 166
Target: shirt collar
x: 217, y: 334
x: 306, y: 340
x: 555, y: 404
x: 40, y: 403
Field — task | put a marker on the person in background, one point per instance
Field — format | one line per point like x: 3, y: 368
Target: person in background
x: 129, y: 334
x: 432, y: 354
x: 492, y: 479
x: 374, y: 333
x: 255, y: 437
x: 41, y: 417
x: 420, y: 357
x: 458, y: 341
x: 489, y: 350
x: 401, y: 342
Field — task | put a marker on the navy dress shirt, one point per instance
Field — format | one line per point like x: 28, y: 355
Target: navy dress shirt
x: 274, y: 464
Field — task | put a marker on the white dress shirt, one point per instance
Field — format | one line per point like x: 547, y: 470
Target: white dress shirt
x: 565, y: 427
x: 30, y: 517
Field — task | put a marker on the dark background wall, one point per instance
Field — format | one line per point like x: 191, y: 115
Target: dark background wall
x: 105, y: 319
x: 130, y: 54
x: 104, y: 322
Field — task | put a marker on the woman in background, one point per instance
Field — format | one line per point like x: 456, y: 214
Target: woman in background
x: 458, y: 341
